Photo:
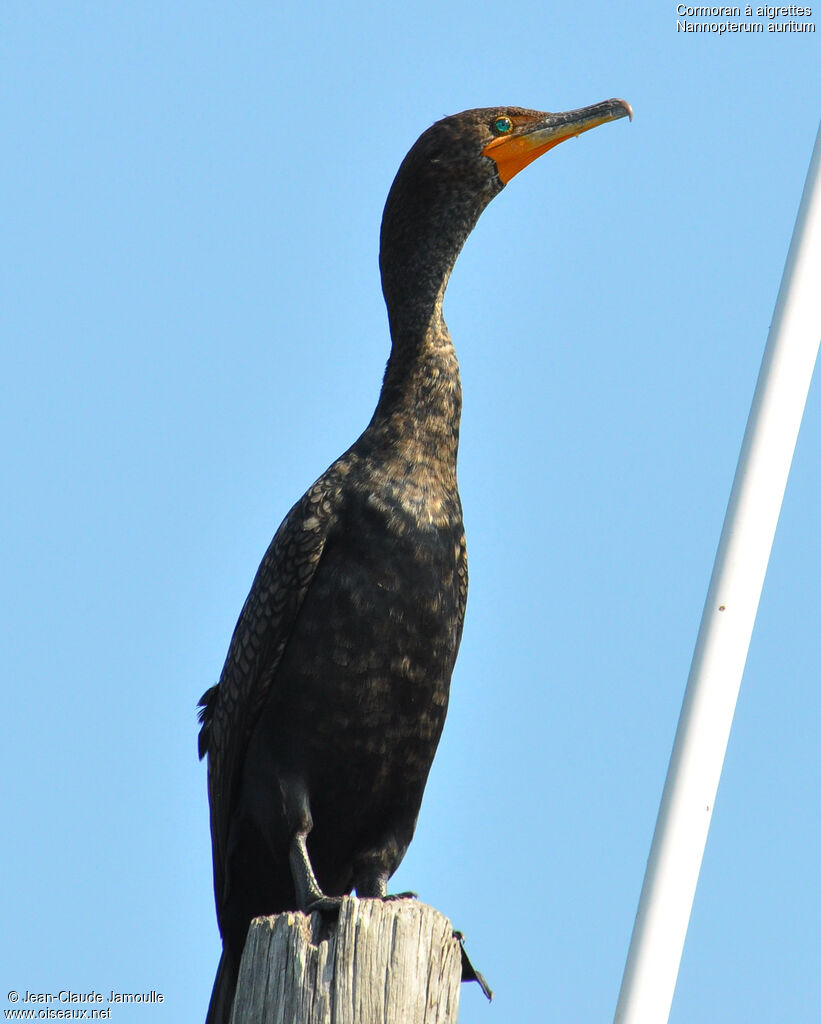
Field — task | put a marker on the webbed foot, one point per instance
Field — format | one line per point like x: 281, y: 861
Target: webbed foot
x: 469, y: 972
x: 323, y: 903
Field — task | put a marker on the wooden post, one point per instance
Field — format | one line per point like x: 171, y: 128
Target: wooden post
x: 381, y: 962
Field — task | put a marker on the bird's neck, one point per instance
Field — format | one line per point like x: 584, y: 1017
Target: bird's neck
x: 421, y: 400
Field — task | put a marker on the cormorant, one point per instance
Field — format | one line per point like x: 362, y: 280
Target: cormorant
x: 322, y: 729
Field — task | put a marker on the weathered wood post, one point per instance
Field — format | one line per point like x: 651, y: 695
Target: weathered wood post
x: 381, y: 962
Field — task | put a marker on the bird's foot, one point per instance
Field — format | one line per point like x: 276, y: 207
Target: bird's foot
x: 388, y: 897
x: 469, y: 972
x: 323, y: 903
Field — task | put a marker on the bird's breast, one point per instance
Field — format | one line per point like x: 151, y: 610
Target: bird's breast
x: 371, y: 655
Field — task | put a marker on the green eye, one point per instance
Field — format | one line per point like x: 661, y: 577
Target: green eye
x: 503, y: 125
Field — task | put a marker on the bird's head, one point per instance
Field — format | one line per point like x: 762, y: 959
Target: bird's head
x: 512, y: 138
x: 487, y: 146
x: 452, y: 172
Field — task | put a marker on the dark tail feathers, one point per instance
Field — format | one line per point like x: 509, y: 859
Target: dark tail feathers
x: 222, y: 995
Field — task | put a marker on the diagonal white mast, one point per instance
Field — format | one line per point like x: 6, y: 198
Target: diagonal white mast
x: 727, y: 624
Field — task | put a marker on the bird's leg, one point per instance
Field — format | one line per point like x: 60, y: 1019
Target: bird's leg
x: 308, y: 892
x: 372, y: 883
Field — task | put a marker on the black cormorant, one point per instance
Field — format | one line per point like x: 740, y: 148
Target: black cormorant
x: 322, y: 729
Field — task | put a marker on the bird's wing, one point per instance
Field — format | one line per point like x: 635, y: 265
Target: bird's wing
x: 230, y: 710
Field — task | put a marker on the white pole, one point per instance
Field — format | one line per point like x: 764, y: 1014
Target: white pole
x: 726, y: 625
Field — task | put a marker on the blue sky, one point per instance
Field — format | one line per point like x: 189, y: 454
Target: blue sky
x: 192, y: 330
